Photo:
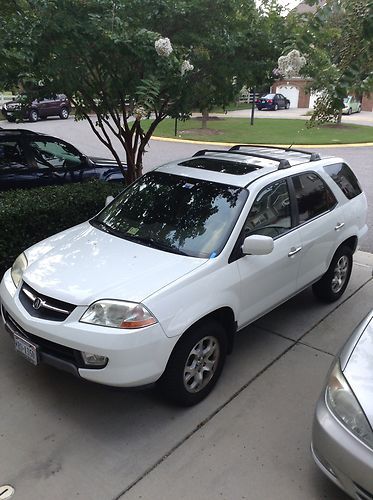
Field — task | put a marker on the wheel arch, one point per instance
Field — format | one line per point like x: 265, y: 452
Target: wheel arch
x: 351, y: 242
x: 224, y: 316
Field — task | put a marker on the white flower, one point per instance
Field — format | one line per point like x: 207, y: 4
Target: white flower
x: 140, y: 112
x: 185, y: 67
x: 163, y: 47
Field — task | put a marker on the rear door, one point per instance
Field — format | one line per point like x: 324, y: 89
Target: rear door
x: 320, y: 217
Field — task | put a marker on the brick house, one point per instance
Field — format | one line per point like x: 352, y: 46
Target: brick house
x: 295, y: 89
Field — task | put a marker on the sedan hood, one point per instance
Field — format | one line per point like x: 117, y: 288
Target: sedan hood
x: 83, y: 264
x: 105, y: 162
x: 359, y: 372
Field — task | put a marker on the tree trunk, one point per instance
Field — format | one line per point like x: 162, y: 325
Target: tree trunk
x: 339, y: 117
x: 205, y: 117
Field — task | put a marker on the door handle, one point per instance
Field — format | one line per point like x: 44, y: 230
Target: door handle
x: 294, y: 251
x: 339, y: 226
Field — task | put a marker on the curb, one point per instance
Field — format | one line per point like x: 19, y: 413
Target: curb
x: 314, y: 146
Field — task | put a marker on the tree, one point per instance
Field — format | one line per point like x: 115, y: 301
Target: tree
x: 338, y: 44
x: 120, y: 61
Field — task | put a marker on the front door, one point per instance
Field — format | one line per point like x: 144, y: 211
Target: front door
x: 268, y: 280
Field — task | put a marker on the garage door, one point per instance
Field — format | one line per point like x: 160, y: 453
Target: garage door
x: 313, y: 97
x: 291, y: 93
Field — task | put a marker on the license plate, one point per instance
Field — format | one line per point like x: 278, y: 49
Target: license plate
x: 27, y: 349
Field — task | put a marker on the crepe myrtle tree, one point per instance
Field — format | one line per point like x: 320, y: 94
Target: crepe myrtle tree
x: 115, y: 72
x: 338, y: 44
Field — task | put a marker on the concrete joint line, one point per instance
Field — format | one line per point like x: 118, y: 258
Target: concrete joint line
x: 234, y: 396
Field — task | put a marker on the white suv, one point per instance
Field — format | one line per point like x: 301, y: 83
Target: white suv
x: 155, y: 286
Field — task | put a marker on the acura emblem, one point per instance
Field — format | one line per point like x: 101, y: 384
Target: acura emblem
x: 37, y: 303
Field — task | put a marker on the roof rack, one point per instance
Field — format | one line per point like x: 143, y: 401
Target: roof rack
x: 313, y: 156
x: 282, y: 162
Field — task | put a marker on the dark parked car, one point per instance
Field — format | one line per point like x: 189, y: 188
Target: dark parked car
x: 272, y: 101
x: 29, y: 159
x: 57, y: 105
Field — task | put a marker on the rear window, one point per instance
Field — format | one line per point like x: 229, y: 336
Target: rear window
x: 344, y: 177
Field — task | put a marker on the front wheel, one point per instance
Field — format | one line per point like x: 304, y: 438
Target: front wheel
x: 64, y: 114
x: 195, y: 364
x: 334, y: 282
x: 276, y: 107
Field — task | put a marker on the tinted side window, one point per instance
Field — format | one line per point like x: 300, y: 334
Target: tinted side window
x: 313, y: 196
x: 55, y: 155
x: 270, y: 213
x: 12, y: 157
x: 343, y: 176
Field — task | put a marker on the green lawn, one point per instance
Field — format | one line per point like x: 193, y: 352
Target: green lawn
x: 264, y: 131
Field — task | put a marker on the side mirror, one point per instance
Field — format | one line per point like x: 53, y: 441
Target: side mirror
x: 257, y: 244
x: 108, y: 200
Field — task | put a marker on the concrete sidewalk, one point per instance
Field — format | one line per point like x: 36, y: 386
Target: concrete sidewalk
x: 63, y: 438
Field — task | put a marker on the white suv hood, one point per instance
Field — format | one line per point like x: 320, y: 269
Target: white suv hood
x: 83, y: 264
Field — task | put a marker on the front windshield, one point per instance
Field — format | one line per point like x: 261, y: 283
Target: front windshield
x: 346, y: 100
x: 176, y: 214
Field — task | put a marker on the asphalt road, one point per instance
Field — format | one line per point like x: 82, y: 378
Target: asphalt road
x: 159, y: 152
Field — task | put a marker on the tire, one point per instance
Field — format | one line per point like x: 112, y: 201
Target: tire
x: 183, y: 382
x: 349, y: 111
x: 359, y: 109
x: 259, y: 108
x: 33, y: 115
x: 11, y: 119
x: 275, y: 107
x: 334, y: 282
x: 287, y: 105
x: 64, y: 114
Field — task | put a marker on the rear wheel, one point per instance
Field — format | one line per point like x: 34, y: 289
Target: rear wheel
x: 64, y: 114
x: 334, y: 282
x: 33, y: 115
x: 287, y: 105
x: 195, y: 364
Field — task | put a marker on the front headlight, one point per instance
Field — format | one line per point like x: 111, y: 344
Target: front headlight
x: 345, y: 406
x: 118, y: 314
x: 18, y: 268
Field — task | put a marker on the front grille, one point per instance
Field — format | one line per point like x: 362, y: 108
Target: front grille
x: 45, y: 346
x: 43, y: 307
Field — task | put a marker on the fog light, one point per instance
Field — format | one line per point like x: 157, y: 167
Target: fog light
x: 94, y: 359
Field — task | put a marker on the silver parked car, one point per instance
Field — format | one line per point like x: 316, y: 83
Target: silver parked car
x: 342, y: 436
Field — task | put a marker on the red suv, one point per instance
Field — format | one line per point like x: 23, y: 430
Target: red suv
x: 57, y: 105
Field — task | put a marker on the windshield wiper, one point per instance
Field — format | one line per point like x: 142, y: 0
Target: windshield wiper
x: 102, y: 225
x: 150, y: 242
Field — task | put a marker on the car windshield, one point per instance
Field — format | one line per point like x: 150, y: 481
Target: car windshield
x: 177, y: 214
x: 268, y: 96
x: 346, y: 100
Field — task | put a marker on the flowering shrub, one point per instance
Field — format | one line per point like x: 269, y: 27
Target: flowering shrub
x: 163, y: 47
x: 185, y: 67
x: 291, y: 64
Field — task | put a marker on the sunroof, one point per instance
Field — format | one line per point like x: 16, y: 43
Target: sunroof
x: 222, y: 166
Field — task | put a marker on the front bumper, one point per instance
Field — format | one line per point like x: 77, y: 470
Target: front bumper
x: 136, y: 357
x: 340, y: 455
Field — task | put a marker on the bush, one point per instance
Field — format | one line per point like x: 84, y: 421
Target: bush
x: 28, y: 216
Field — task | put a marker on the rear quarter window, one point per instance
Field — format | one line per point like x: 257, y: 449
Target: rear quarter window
x: 344, y: 177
